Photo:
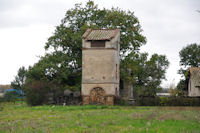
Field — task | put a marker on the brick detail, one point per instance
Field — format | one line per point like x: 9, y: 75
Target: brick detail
x: 110, y: 100
x: 85, y: 100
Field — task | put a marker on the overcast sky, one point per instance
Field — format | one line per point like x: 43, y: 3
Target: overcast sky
x: 25, y: 26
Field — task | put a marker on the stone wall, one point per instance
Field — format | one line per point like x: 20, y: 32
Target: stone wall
x: 108, y: 100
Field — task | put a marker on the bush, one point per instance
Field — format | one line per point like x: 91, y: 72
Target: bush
x: 11, y: 96
x: 167, y: 101
x: 120, y: 101
x: 2, y: 99
x: 147, y: 101
x: 182, y: 101
x: 36, y: 92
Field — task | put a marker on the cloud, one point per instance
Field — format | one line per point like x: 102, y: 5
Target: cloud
x: 15, y: 13
x: 21, y: 47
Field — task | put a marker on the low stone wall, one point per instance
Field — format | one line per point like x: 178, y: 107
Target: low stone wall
x: 108, y: 100
x: 74, y: 98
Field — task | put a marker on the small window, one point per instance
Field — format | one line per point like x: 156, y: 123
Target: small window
x: 97, y: 43
x: 121, y: 85
x: 116, y: 73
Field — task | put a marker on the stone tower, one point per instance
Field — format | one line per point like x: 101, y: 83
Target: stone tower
x: 100, y: 66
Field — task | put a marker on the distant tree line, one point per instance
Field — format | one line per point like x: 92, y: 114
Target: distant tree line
x: 4, y: 87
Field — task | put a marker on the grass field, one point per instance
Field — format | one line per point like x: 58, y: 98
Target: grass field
x: 21, y: 118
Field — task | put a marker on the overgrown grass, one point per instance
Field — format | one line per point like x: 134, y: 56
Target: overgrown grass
x: 21, y: 118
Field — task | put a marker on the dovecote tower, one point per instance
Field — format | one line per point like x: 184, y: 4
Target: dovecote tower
x: 100, y: 66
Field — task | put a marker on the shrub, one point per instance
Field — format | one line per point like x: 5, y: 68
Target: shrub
x: 147, y: 101
x: 120, y: 101
x: 2, y: 99
x: 36, y: 92
x: 182, y: 101
x: 167, y: 101
x: 11, y: 96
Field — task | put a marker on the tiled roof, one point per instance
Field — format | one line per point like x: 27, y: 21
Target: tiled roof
x: 100, y: 34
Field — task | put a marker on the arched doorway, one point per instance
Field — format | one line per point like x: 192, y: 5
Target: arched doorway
x: 97, y: 96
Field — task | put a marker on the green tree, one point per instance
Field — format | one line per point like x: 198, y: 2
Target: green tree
x: 63, y: 60
x: 182, y: 86
x: 189, y: 57
x: 11, y: 96
x: 145, y: 75
x: 20, y: 78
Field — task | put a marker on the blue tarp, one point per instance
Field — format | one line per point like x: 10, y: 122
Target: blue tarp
x: 18, y: 91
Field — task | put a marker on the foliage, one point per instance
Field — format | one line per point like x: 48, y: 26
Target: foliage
x: 183, y: 85
x: 51, y: 68
x: 11, y: 96
x: 189, y: 57
x: 147, y: 101
x: 167, y: 101
x: 20, y: 78
x: 64, y: 48
x: 182, y: 101
x: 21, y: 118
x: 175, y: 92
x: 62, y: 62
x: 144, y: 74
x: 36, y: 92
x: 67, y: 37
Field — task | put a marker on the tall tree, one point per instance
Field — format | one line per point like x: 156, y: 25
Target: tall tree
x: 64, y: 48
x: 145, y: 75
x: 20, y: 78
x: 190, y: 56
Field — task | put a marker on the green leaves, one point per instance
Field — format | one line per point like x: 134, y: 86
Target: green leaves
x: 145, y: 75
x: 62, y: 62
x: 64, y: 47
x: 20, y: 78
x: 77, y: 20
x: 190, y: 56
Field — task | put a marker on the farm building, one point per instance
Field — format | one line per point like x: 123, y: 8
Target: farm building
x: 100, y: 66
x: 194, y: 82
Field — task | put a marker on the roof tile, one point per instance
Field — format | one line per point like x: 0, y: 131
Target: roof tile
x: 100, y: 34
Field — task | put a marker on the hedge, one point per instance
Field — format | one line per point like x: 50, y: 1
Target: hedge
x: 167, y: 101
